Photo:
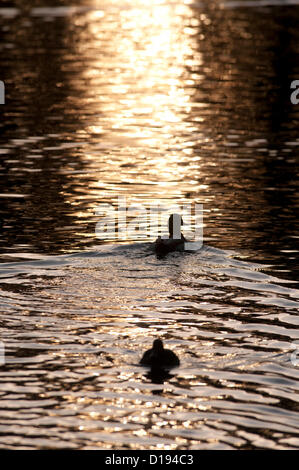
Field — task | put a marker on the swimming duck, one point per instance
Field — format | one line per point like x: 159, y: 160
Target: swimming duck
x: 159, y: 357
x: 176, y: 240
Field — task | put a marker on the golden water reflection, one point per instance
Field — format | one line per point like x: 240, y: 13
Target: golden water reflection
x: 158, y: 101
x: 141, y: 99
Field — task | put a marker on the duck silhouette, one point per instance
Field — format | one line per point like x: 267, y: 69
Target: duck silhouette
x: 175, y: 241
x: 158, y: 357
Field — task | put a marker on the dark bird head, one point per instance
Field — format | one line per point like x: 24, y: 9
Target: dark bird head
x: 158, y: 345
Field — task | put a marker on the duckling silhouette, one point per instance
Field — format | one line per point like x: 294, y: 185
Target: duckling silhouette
x: 158, y: 357
x: 175, y: 241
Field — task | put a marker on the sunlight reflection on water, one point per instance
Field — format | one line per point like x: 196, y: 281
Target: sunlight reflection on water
x: 161, y: 102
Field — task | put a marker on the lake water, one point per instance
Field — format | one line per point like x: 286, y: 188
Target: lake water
x: 160, y: 102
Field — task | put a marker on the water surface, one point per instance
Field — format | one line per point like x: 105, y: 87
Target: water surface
x: 160, y: 102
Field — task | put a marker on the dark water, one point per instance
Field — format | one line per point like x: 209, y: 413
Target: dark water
x: 159, y: 102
